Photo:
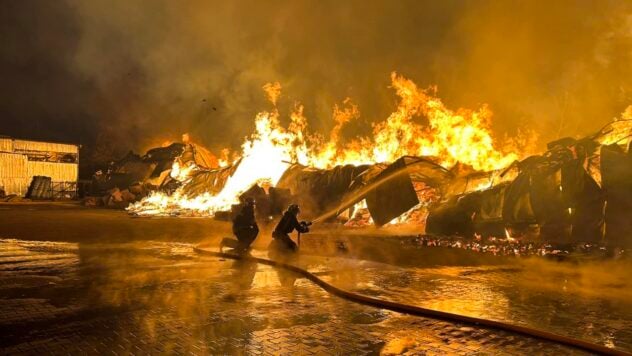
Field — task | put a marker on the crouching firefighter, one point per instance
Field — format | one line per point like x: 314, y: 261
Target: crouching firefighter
x: 288, y: 223
x: 244, y: 227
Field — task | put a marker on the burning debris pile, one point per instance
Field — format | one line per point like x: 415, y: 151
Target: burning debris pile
x: 447, y: 174
x: 274, y: 155
x: 133, y: 177
x: 577, y: 191
x: 510, y: 247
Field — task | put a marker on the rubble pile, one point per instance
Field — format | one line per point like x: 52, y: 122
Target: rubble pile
x: 134, y: 177
x: 13, y: 198
x: 513, y: 247
x: 578, y: 190
x: 116, y: 198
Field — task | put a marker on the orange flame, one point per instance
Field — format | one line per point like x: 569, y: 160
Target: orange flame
x: 449, y: 136
x: 273, y: 92
x: 462, y: 136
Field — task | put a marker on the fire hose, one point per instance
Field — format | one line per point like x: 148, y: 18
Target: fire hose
x: 424, y: 312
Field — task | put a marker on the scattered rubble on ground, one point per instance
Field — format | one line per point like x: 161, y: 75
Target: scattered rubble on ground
x: 515, y: 248
x: 13, y: 198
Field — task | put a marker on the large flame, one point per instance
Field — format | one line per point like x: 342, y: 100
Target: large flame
x: 617, y: 131
x: 449, y: 136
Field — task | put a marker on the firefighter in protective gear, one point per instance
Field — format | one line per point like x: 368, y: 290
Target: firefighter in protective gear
x: 288, y: 223
x: 244, y: 227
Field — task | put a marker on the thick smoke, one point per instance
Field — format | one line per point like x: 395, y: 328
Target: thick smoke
x: 118, y: 75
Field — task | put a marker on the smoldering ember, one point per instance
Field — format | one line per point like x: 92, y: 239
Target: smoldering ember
x: 316, y: 177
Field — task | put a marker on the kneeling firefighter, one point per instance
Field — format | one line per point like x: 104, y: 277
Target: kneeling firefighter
x: 288, y: 223
x: 244, y: 227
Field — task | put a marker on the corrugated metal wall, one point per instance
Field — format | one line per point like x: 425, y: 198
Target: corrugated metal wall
x: 44, y: 146
x: 13, y: 176
x: 6, y: 145
x: 16, y: 171
x: 58, y: 172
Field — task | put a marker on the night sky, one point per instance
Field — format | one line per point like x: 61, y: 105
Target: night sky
x: 121, y: 75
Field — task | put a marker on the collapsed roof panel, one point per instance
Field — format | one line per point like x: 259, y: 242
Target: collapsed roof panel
x: 616, y: 171
x: 208, y: 181
x: 560, y: 191
x: 425, y: 170
x: 393, y: 193
x: 586, y: 201
x: 318, y: 190
x: 201, y: 156
x: 168, y: 153
x: 492, y: 202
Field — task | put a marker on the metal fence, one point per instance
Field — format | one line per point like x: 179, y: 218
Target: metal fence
x: 42, y: 188
x: 63, y: 190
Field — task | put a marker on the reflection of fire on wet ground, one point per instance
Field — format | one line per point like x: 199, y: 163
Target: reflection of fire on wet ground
x: 161, y: 296
x: 33, y: 256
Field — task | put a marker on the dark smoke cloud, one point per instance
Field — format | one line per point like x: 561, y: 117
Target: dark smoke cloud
x: 41, y: 95
x: 120, y: 75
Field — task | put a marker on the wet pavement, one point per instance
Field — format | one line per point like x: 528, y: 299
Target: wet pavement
x: 159, y: 297
x: 592, y: 301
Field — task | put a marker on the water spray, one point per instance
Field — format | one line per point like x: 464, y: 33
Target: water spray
x: 359, y: 194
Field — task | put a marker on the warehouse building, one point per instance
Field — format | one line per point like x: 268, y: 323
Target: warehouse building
x: 51, y: 168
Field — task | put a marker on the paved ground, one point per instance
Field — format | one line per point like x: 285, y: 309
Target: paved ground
x: 150, y: 298
x: 57, y: 221
x: 591, y: 301
x: 71, y: 222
